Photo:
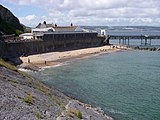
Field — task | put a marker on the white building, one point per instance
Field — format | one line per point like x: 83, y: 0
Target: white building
x: 42, y: 30
x: 101, y: 32
x: 57, y: 28
x: 26, y: 36
x: 38, y: 31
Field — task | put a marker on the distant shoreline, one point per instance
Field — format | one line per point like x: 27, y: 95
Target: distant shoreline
x: 53, y: 59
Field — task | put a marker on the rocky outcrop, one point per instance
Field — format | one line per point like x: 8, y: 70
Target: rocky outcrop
x: 23, y: 97
x: 8, y: 22
x: 76, y: 110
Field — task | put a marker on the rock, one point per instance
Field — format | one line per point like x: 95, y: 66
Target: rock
x: 88, y: 113
x: 29, y: 66
x: 25, y: 98
x: 14, y: 91
x: 9, y: 23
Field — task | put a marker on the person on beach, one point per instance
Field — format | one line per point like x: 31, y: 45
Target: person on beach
x: 45, y: 62
x: 29, y: 60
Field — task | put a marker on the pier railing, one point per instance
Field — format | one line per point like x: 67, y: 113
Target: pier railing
x: 125, y: 39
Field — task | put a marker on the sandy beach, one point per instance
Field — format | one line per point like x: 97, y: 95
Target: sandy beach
x: 55, y: 58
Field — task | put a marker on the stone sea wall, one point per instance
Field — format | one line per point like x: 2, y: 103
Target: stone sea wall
x: 50, y: 42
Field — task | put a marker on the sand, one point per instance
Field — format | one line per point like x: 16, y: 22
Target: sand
x: 55, y: 58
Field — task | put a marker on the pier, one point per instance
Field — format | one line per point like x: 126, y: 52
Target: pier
x: 125, y: 39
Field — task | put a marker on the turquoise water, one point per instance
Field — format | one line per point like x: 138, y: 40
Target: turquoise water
x: 126, y: 85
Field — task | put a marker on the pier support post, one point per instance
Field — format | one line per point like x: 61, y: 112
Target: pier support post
x: 123, y: 41
x: 145, y: 41
x: 150, y: 41
x: 119, y: 41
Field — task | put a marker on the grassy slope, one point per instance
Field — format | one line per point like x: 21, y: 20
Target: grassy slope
x: 36, y: 84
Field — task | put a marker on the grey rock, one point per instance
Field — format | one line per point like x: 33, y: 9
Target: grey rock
x: 15, y: 89
x: 88, y: 113
x: 8, y: 17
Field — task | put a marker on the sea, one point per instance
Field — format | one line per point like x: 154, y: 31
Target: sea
x: 125, y: 84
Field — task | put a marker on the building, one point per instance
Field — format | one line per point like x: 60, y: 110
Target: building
x: 101, y: 32
x: 57, y: 28
x: 26, y: 36
x: 42, y: 30
x: 49, y: 38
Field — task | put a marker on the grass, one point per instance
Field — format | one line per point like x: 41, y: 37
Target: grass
x: 7, y: 65
x: 38, y: 115
x: 75, y: 112
x: 78, y: 114
x: 38, y: 85
x: 29, y: 99
x: 47, y: 91
x: 12, y: 67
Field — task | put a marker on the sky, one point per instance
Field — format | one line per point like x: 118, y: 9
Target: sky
x: 86, y: 12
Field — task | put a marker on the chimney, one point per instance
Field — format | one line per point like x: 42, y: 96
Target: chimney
x: 44, y: 22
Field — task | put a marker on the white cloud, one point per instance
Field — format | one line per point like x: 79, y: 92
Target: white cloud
x: 95, y: 12
x: 32, y: 20
x: 31, y: 17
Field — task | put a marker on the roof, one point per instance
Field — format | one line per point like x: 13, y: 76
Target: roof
x: 65, y: 28
x: 43, y: 29
x: 44, y: 25
x: 57, y: 28
x: 72, y: 32
x: 26, y: 34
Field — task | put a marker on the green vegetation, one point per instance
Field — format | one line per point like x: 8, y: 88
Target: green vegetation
x: 12, y: 67
x: 78, y: 114
x: 38, y: 115
x: 7, y: 65
x: 75, y: 112
x: 9, y: 28
x: 29, y: 99
x: 26, y: 29
x: 47, y: 91
x: 36, y: 84
x: 18, y: 32
x: 13, y: 81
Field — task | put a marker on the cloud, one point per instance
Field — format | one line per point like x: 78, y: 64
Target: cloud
x: 97, y: 12
x: 32, y: 20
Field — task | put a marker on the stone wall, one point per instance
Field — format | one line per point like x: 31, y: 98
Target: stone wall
x: 50, y: 42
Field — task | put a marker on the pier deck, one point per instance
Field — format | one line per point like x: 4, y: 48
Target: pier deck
x: 125, y: 39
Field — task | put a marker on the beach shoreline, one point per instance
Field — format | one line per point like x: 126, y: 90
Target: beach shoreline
x: 53, y: 59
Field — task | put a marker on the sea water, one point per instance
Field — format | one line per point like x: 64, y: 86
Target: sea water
x: 126, y: 85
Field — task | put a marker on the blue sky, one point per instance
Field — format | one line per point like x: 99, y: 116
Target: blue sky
x: 86, y: 12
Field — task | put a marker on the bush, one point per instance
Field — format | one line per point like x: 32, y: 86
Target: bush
x: 18, y: 32
x: 29, y: 99
x: 79, y: 114
x: 38, y: 115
